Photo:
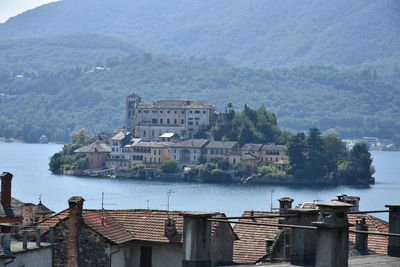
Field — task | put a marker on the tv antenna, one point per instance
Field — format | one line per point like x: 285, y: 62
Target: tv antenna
x: 272, y: 191
x: 169, y: 194
x: 105, y: 204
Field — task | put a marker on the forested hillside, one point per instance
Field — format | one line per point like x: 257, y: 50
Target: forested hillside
x: 32, y: 54
x: 263, y: 33
x: 55, y: 102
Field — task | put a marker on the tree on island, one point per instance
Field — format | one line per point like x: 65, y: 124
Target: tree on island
x: 356, y: 168
x: 316, y: 157
x: 296, y: 153
x: 169, y: 166
x: 316, y: 163
x: 66, y: 159
x: 248, y: 126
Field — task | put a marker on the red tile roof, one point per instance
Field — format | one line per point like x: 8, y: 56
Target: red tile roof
x: 121, y: 226
x: 376, y: 243
x: 251, y: 245
x: 148, y: 225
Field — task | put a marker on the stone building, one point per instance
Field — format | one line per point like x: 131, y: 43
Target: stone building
x: 33, y: 214
x: 150, y: 120
x: 120, y: 152
x: 131, y: 238
x: 97, y: 154
x: 189, y: 151
x: 149, y: 153
x: 220, y: 149
x: 273, y: 153
x: 255, y: 155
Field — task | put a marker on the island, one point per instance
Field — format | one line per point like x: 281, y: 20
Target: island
x: 187, y: 140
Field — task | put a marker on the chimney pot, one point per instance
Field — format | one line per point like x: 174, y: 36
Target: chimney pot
x: 361, y: 239
x: 285, y: 203
x: 6, y: 178
x: 170, y: 227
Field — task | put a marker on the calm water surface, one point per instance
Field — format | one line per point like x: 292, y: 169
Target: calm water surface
x: 29, y: 164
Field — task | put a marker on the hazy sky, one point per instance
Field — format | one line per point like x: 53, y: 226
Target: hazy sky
x: 10, y: 8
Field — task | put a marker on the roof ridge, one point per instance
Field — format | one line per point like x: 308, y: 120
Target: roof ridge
x: 373, y: 220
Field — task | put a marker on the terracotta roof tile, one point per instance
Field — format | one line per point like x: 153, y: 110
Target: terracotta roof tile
x: 376, y: 243
x: 107, y: 227
x: 251, y: 245
x: 127, y: 225
x: 148, y: 225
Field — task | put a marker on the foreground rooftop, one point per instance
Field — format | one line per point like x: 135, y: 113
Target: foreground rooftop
x: 364, y: 261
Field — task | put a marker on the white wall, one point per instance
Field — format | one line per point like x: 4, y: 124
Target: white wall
x: 121, y: 257
x: 168, y: 255
x: 31, y: 258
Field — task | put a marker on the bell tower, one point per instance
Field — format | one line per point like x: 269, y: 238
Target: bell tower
x: 132, y: 102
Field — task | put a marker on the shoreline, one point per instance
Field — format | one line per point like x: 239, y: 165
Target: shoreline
x: 257, y: 181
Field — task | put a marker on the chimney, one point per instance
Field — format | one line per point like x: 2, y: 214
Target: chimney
x: 170, y: 227
x: 197, y: 239
x: 6, y: 178
x: 353, y: 200
x: 285, y: 203
x: 75, y: 220
x: 269, y: 242
x: 332, y: 247
x: 361, y: 239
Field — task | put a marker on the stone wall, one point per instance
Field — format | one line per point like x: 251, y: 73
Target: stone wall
x: 93, y: 249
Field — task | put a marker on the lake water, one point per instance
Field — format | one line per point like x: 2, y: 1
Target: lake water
x: 29, y: 164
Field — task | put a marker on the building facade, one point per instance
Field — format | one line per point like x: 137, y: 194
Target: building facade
x: 189, y: 151
x: 120, y: 154
x: 149, y: 153
x: 150, y: 120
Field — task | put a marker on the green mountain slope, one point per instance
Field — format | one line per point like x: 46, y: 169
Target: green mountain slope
x: 263, y: 33
x: 62, y: 51
x: 57, y: 102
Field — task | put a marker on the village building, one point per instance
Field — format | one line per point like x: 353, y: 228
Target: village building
x: 149, y: 153
x: 235, y: 159
x: 14, y: 212
x: 32, y: 214
x: 120, y: 152
x: 189, y: 151
x: 150, y: 120
x: 97, y: 154
x: 131, y: 238
x: 255, y: 155
x: 220, y: 149
x: 272, y: 153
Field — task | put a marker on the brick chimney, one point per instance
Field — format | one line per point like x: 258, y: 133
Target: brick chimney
x: 6, y: 178
x: 75, y: 220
